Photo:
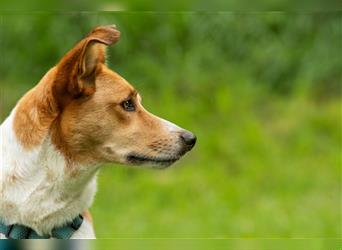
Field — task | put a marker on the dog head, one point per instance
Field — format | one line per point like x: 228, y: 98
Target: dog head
x: 101, y: 117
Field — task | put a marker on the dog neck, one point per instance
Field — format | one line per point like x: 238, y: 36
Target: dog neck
x: 39, y: 187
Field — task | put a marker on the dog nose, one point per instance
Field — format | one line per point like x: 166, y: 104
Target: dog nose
x: 189, y: 139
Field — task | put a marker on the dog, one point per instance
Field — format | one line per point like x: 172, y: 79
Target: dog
x: 81, y: 114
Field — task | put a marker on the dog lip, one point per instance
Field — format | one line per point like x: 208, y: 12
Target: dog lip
x: 140, y: 159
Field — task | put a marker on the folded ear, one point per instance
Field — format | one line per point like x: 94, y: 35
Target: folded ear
x: 76, y: 72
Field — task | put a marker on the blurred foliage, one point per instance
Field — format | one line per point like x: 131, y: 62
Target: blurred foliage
x: 175, y: 5
x: 275, y: 50
x: 261, y: 90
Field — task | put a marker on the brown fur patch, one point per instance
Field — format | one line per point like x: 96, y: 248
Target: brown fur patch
x: 35, y: 113
x: 73, y: 76
x: 87, y: 121
x: 77, y: 70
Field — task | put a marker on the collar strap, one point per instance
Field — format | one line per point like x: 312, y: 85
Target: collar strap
x: 18, y: 232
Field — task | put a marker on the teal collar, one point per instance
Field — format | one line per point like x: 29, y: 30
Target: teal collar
x: 18, y: 232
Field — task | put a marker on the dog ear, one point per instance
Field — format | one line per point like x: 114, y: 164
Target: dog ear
x: 76, y: 72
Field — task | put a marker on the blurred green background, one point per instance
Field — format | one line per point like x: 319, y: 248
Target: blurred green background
x: 262, y: 92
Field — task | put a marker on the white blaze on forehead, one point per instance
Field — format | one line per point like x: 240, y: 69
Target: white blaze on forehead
x: 139, y: 98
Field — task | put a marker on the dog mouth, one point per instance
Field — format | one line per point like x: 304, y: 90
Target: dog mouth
x: 160, y: 162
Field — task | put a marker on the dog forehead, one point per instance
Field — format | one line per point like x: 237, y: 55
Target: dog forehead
x: 110, y: 84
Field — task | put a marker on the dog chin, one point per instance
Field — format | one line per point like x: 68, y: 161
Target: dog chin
x: 154, y: 162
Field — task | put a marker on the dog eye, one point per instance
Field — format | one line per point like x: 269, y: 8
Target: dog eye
x: 128, y: 105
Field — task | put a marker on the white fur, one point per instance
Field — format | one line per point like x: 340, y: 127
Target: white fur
x: 171, y: 127
x: 36, y: 187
